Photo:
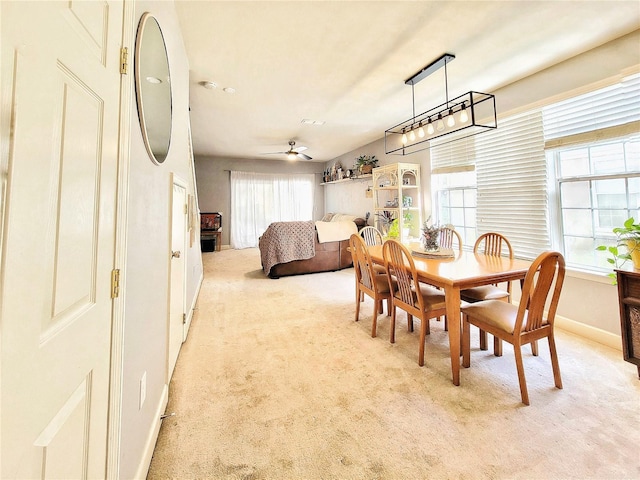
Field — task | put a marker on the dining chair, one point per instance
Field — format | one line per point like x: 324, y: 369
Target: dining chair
x: 371, y: 235
x: 415, y: 298
x: 449, y: 236
x: 368, y: 281
x: 494, y: 244
x: 524, y: 323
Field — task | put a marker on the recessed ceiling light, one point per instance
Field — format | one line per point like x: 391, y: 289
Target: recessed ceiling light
x: 308, y: 121
x: 229, y: 90
x: 209, y: 85
x: 153, y: 80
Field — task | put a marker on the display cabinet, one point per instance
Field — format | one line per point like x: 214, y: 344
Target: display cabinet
x: 397, y: 199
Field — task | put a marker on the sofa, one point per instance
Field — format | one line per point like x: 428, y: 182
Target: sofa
x: 296, y: 248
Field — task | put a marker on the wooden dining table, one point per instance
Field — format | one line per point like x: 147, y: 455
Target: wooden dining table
x: 464, y: 270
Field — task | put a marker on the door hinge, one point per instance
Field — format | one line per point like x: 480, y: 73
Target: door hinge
x: 115, y: 283
x: 186, y: 209
x: 124, y: 58
x: 184, y: 318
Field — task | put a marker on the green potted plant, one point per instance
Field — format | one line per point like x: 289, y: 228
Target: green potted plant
x: 365, y: 163
x: 627, y: 236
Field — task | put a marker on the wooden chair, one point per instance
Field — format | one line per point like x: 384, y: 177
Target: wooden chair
x: 371, y: 235
x: 524, y: 323
x: 374, y: 284
x: 416, y: 299
x: 490, y: 244
x: 449, y: 236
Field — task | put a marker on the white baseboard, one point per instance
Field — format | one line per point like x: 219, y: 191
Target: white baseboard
x: 145, y: 462
x: 194, y: 300
x: 587, y: 331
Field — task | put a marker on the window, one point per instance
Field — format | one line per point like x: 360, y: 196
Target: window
x: 599, y: 188
x: 258, y: 199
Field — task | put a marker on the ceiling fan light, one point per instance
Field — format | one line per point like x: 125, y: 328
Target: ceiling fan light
x: 291, y: 156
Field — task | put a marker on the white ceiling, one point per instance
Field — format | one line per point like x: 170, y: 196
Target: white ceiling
x: 345, y: 63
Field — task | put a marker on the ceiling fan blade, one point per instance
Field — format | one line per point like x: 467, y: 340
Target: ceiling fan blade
x: 274, y: 153
x: 302, y: 155
x: 299, y: 149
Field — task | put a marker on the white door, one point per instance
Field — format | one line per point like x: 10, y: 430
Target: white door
x: 60, y: 104
x: 177, y: 308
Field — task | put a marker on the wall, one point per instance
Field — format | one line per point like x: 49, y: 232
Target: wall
x: 589, y: 303
x: 214, y: 190
x: 148, y: 258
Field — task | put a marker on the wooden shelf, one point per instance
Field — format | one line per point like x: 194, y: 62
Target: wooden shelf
x: 349, y: 179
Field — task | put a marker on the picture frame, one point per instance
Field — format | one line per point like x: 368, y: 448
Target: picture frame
x: 210, y: 221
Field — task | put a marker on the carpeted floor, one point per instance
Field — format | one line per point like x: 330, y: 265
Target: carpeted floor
x: 276, y: 381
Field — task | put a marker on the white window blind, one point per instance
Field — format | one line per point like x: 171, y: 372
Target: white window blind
x: 453, y: 157
x: 609, y: 112
x: 511, y: 174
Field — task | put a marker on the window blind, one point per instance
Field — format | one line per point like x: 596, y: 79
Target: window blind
x: 608, y: 112
x: 458, y: 156
x: 511, y: 174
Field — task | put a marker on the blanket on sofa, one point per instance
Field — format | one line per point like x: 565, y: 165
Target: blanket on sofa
x: 284, y: 242
x: 335, y: 231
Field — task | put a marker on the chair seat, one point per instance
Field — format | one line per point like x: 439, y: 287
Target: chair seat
x: 379, y: 269
x: 433, y: 298
x: 382, y: 283
x: 495, y: 313
x: 485, y: 292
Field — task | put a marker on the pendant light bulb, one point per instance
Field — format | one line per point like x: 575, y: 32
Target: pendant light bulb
x: 420, y: 130
x: 404, y: 137
x: 440, y: 123
x: 412, y: 136
x: 464, y: 117
x: 451, y: 122
x: 430, y: 129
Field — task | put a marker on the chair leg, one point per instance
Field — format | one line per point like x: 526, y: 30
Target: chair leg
x: 446, y: 324
x: 358, y: 296
x: 409, y: 323
x: 517, y: 349
x: 424, y: 324
x: 534, y: 348
x: 497, y: 347
x: 388, y: 307
x: 554, y: 361
x: 392, y: 331
x: 466, y: 342
x: 483, y: 339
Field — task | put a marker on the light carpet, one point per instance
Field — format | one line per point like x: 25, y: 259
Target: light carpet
x: 277, y: 381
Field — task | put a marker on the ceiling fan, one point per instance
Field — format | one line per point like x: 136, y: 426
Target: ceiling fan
x: 293, y: 152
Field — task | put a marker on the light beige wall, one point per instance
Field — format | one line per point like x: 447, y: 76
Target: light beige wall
x: 589, y: 300
x: 214, y: 190
x: 148, y: 257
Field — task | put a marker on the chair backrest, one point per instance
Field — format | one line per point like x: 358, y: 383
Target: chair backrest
x: 492, y: 244
x: 400, y: 266
x: 448, y: 236
x: 371, y: 235
x: 547, y: 270
x: 362, y: 262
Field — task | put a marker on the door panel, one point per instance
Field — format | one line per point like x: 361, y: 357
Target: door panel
x: 61, y: 85
x: 177, y: 307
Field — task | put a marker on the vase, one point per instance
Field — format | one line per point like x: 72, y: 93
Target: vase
x: 366, y: 169
x: 430, y: 240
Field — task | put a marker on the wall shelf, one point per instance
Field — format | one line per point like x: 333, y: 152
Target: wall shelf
x: 366, y: 176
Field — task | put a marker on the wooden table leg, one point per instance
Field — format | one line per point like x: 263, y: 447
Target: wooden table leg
x: 452, y: 298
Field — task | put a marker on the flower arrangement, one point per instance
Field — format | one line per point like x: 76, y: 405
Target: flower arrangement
x: 430, y: 236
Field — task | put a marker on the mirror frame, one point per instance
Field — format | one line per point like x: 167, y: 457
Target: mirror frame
x: 152, y: 134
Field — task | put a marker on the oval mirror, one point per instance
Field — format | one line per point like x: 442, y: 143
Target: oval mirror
x: 153, y: 88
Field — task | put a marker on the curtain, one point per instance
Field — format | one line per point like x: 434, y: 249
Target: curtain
x: 258, y: 199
